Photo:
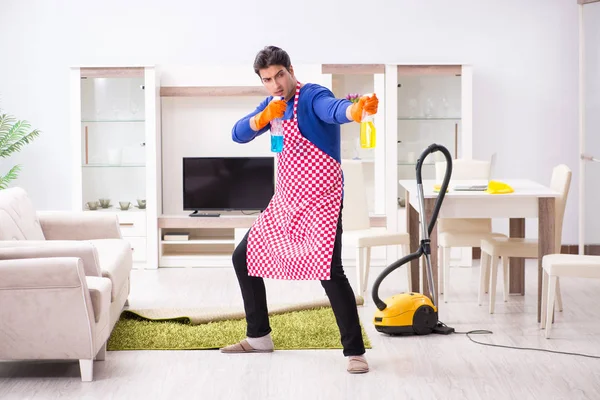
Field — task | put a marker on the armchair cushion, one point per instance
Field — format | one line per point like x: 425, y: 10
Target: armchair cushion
x: 18, y: 220
x: 100, y: 295
x: 109, y: 258
x: 9, y: 230
x: 65, y: 225
x: 20, y: 249
x: 44, y: 273
x: 115, y: 260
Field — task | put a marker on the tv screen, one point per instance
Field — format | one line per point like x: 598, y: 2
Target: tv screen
x: 228, y: 183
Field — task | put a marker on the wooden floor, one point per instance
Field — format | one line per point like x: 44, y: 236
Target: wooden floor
x: 428, y: 367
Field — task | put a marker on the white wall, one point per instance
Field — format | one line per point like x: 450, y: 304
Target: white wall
x: 524, y: 55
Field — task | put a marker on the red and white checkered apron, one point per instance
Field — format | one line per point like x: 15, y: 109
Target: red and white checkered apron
x: 294, y: 237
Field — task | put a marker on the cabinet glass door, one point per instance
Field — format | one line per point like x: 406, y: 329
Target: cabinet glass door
x: 113, y: 140
x: 429, y: 111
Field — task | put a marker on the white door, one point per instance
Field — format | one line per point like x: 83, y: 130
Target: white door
x: 589, y: 185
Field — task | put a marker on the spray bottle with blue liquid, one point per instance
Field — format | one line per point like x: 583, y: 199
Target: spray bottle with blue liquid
x: 277, y: 132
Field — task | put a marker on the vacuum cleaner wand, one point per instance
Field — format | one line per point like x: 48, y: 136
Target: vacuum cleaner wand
x: 425, y: 246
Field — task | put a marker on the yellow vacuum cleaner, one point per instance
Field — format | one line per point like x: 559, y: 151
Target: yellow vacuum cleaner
x: 415, y: 313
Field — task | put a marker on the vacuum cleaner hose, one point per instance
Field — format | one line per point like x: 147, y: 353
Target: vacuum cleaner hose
x: 424, y: 247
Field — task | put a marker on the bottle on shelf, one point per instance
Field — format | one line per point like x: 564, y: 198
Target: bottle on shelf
x: 368, y: 133
x: 277, y: 132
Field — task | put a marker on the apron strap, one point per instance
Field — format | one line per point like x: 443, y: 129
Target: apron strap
x: 296, y: 97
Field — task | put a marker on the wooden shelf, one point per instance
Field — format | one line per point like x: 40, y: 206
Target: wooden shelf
x: 184, y: 221
x: 429, y: 119
x: 424, y: 70
x: 353, y: 69
x: 204, y: 91
x: 198, y: 251
x: 199, y: 241
x: 112, y: 72
x: 90, y: 121
x: 98, y: 165
x: 403, y: 70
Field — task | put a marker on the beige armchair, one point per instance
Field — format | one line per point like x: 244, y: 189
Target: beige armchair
x: 64, y: 280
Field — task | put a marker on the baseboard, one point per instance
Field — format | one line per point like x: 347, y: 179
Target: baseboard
x: 589, y: 249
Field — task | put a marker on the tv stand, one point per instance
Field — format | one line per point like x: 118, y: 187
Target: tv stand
x: 204, y: 214
x: 210, y: 242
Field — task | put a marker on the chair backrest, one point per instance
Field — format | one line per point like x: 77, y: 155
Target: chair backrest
x: 463, y: 169
x: 18, y: 217
x: 561, y: 183
x: 355, y: 214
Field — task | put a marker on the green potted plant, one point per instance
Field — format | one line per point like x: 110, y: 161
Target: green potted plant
x: 14, y: 134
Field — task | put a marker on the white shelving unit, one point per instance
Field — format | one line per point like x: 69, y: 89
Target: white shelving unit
x: 210, y: 242
x: 431, y: 104
x: 116, y: 136
x: 196, y: 108
x: 441, y: 112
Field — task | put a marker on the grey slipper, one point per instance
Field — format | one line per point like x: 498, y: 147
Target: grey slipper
x: 243, y: 347
x: 357, y: 365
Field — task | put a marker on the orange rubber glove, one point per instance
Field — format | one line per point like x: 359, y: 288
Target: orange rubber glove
x: 275, y: 109
x: 367, y: 104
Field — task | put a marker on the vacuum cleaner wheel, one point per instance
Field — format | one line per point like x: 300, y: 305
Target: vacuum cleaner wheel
x: 424, y: 320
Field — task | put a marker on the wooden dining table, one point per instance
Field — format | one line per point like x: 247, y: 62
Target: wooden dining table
x: 529, y: 200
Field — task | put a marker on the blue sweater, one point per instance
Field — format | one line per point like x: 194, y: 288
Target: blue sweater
x: 319, y: 117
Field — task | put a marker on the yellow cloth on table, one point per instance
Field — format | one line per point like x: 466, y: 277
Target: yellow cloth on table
x: 497, y: 187
x: 494, y: 187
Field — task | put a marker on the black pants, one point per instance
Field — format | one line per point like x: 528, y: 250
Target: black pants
x: 338, y: 290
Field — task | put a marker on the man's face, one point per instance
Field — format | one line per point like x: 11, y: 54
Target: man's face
x: 279, y: 81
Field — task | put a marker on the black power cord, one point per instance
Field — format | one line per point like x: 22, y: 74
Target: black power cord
x: 483, y: 332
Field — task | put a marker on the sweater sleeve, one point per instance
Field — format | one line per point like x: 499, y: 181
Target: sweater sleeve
x: 242, y: 133
x: 329, y: 109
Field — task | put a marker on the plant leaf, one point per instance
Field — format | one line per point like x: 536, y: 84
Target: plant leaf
x: 18, y: 128
x: 6, y: 122
x: 16, y: 138
x: 10, y: 176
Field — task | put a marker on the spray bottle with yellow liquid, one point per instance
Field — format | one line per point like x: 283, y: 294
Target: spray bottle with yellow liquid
x: 368, y: 133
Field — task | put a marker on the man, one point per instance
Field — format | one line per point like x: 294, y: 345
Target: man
x: 299, y: 235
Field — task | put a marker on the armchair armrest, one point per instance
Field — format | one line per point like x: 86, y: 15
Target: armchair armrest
x: 28, y: 249
x: 46, y: 310
x: 65, y: 225
x: 100, y: 289
x: 54, y: 272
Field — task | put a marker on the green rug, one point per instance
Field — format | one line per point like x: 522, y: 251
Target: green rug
x: 306, y: 329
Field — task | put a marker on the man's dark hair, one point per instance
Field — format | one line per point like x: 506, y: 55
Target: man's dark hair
x: 271, y: 55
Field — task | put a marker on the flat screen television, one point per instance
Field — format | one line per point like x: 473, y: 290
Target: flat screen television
x: 228, y: 183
